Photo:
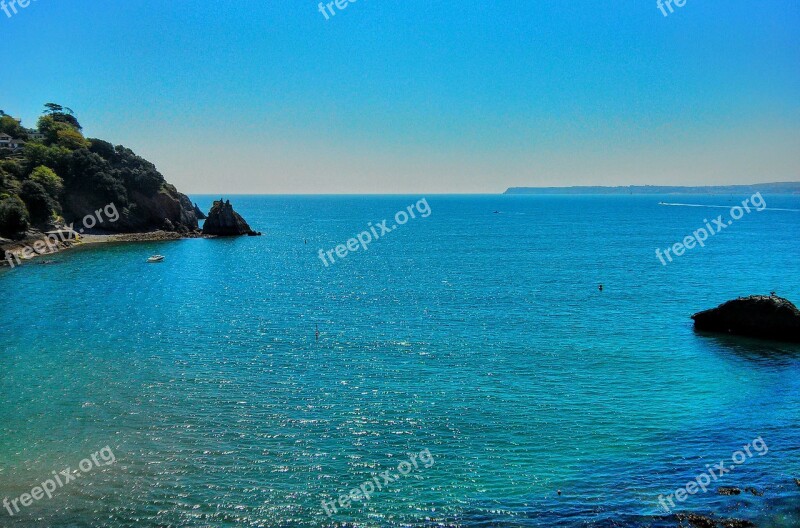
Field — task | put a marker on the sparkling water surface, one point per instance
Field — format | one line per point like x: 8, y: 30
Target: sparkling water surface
x: 478, y: 333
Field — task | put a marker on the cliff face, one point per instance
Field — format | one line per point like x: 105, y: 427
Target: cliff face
x: 167, y: 210
x: 145, y: 200
x: 224, y: 221
x: 756, y: 316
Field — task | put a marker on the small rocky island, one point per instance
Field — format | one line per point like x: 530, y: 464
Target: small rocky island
x: 224, y: 221
x: 760, y: 316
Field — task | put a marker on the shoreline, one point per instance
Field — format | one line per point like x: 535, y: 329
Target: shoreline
x: 19, y: 248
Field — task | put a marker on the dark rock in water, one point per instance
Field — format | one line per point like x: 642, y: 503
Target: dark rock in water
x: 729, y: 491
x: 757, y: 316
x: 199, y: 213
x: 698, y: 520
x: 702, y: 521
x: 224, y: 221
x: 736, y: 523
x: 753, y: 491
x: 797, y: 481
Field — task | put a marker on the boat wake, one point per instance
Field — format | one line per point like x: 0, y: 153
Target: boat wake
x: 723, y: 206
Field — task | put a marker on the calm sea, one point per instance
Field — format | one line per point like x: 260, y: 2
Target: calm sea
x: 478, y: 333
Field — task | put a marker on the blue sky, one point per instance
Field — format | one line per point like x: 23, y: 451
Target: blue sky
x: 420, y: 96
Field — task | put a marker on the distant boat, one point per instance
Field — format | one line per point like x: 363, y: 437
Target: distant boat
x: 156, y: 258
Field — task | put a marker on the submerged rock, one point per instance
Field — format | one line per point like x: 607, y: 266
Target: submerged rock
x: 224, y: 221
x: 760, y: 316
x: 729, y: 491
x: 698, y: 520
x: 702, y: 521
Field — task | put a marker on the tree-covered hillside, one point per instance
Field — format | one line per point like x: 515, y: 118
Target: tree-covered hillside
x: 53, y: 175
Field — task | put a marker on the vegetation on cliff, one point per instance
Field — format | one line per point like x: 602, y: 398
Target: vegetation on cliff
x: 53, y: 175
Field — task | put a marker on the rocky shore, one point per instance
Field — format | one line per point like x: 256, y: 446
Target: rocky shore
x: 14, y: 253
x: 224, y: 222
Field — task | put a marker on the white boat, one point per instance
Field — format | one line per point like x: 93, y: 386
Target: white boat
x: 156, y: 258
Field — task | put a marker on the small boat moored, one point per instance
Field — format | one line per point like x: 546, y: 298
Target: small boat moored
x: 156, y: 258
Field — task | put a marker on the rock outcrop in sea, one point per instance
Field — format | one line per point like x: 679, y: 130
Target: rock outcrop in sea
x: 224, y: 221
x: 759, y: 316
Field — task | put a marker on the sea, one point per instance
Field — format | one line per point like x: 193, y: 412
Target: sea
x: 466, y: 364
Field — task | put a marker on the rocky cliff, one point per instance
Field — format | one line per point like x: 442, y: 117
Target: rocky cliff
x: 60, y: 177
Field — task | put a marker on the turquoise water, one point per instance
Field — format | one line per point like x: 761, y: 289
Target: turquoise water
x: 480, y: 336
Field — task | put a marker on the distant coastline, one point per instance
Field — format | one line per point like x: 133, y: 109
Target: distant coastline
x: 774, y: 188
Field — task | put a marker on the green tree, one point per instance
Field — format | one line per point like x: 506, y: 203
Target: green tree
x: 52, y: 108
x: 13, y: 217
x: 60, y: 133
x: 37, y: 154
x: 72, y: 139
x: 12, y: 127
x: 38, y: 202
x: 48, y: 179
x: 88, y: 174
x: 49, y: 127
x: 62, y: 114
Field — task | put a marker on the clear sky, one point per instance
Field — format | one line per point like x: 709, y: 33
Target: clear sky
x: 420, y: 96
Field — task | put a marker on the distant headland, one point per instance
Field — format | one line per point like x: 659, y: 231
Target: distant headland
x: 773, y: 188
